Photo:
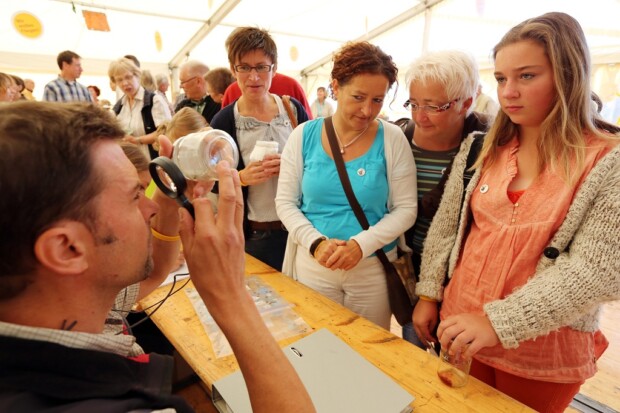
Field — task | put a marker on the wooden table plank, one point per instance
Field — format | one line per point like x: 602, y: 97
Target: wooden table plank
x: 412, y: 368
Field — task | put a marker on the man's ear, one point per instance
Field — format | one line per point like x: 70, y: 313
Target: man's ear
x: 63, y: 248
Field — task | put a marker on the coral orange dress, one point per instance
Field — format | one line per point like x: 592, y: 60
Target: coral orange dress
x: 505, y: 242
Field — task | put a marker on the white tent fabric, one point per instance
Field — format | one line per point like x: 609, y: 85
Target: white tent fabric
x: 307, y: 33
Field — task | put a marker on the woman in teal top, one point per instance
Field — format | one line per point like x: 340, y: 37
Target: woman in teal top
x: 327, y: 248
x: 326, y: 206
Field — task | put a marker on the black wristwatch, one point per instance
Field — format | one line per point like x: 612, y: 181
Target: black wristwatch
x: 315, y: 245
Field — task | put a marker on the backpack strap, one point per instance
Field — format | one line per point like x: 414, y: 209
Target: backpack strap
x: 407, y: 125
x: 472, y: 156
x: 286, y: 101
x: 148, y: 98
x: 409, y: 130
x: 118, y: 106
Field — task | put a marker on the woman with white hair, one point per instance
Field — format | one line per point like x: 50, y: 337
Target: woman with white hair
x: 442, y: 87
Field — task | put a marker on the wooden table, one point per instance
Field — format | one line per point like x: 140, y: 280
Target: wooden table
x: 411, y: 367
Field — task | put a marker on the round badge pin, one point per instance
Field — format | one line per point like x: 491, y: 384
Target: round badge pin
x: 361, y: 172
x: 484, y: 189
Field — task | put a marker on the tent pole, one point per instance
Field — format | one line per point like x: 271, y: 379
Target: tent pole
x: 402, y: 18
x: 427, y: 30
x: 215, y: 19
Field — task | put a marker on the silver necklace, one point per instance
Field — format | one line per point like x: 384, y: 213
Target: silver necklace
x: 351, y: 142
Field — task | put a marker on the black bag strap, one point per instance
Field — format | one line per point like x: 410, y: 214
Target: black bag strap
x: 342, y: 173
x: 407, y: 125
x: 346, y: 184
x: 474, y: 151
x: 400, y: 303
x: 409, y: 130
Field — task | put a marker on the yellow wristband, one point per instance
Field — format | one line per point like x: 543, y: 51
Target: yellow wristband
x: 163, y: 237
x: 425, y: 298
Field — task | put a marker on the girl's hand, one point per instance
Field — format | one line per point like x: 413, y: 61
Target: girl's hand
x: 466, y: 332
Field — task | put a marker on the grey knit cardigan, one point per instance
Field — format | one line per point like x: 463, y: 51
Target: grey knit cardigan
x: 567, y: 290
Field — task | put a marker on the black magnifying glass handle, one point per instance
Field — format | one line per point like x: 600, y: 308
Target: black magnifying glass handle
x: 187, y: 204
x: 170, y: 180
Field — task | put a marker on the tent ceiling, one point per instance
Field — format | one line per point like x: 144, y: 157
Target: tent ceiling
x: 306, y: 32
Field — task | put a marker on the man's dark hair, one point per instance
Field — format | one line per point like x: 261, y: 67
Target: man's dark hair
x: 46, y: 175
x: 133, y: 58
x: 96, y: 89
x: 67, y: 56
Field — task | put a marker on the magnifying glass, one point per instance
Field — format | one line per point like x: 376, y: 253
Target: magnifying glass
x: 170, y: 180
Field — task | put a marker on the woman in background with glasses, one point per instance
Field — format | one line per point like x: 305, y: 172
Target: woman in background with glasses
x: 442, y: 88
x: 258, y: 116
x: 328, y: 250
x: 139, y: 111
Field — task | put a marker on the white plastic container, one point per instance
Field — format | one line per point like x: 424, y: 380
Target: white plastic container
x: 263, y: 148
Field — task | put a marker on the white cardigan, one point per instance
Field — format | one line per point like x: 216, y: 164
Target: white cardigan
x: 402, y: 197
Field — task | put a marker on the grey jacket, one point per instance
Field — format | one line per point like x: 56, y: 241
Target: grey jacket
x: 569, y: 285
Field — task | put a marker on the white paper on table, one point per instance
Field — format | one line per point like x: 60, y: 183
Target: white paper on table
x: 277, y: 314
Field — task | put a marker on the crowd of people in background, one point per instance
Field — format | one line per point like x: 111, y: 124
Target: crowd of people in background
x: 14, y: 88
x: 509, y: 208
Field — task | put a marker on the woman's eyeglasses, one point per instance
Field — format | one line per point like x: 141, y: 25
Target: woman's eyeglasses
x: 127, y: 78
x: 258, y: 68
x: 430, y: 109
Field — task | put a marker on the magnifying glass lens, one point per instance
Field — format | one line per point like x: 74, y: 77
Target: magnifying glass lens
x: 166, y: 180
x: 170, y: 180
x: 168, y: 177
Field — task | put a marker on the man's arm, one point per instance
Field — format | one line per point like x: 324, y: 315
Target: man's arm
x: 165, y: 253
x: 214, y: 249
x: 165, y: 222
x: 49, y: 94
